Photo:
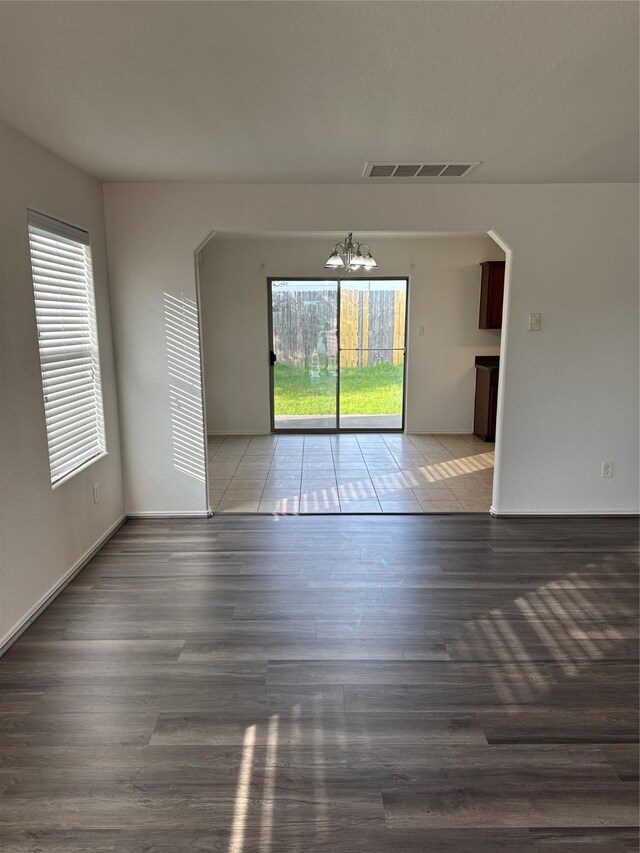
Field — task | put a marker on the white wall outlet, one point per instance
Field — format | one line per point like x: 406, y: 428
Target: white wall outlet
x: 96, y: 493
x: 607, y: 469
x: 420, y: 331
x: 535, y: 322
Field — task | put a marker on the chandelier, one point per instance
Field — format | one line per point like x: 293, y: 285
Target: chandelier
x: 351, y: 256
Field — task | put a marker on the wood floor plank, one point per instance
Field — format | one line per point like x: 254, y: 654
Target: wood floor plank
x: 324, y: 729
x: 61, y: 840
x: 313, y: 649
x: 357, y: 839
x: 511, y: 805
x: 623, y: 758
x: 586, y: 840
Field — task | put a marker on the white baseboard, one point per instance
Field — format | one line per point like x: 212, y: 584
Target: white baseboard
x: 171, y: 514
x: 237, y: 432
x: 554, y: 513
x: 438, y: 431
x: 21, y: 626
x: 214, y: 433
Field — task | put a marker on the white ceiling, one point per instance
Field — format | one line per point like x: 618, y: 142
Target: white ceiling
x: 308, y: 91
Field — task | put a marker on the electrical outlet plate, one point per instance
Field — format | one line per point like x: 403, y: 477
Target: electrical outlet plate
x: 607, y: 469
x: 535, y: 321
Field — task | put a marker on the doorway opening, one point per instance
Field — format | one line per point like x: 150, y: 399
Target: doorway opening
x: 439, y: 462
x: 337, y: 354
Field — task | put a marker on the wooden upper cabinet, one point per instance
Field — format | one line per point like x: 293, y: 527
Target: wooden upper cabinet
x: 491, y: 294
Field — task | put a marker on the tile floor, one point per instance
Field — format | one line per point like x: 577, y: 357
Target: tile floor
x: 367, y: 472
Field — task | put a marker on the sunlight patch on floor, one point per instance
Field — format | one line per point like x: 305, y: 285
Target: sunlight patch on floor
x: 243, y: 793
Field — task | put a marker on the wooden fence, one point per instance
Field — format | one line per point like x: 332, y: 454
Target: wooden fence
x: 372, y: 327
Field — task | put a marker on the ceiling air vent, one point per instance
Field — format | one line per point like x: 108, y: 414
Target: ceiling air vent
x: 406, y: 171
x: 432, y: 170
x: 418, y: 170
x: 379, y: 171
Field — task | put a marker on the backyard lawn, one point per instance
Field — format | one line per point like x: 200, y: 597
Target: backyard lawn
x: 373, y: 390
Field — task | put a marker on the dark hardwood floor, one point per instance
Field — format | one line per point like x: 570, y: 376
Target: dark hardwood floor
x: 354, y: 684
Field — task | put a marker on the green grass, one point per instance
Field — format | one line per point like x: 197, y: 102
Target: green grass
x: 363, y: 391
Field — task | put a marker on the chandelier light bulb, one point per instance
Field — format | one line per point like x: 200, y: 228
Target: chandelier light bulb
x: 335, y: 260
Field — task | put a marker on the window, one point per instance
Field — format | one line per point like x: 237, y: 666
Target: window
x: 68, y: 343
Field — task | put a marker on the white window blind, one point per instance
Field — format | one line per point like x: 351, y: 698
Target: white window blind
x: 68, y: 343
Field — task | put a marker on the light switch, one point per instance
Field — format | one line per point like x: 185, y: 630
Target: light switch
x: 421, y: 331
x: 535, y: 321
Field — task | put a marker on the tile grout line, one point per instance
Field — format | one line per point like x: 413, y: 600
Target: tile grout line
x: 342, y: 504
x: 382, y: 509
x: 268, y: 472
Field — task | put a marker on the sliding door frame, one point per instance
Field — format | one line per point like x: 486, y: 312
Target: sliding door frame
x: 337, y: 429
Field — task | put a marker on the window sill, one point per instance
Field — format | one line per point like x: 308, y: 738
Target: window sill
x: 80, y: 468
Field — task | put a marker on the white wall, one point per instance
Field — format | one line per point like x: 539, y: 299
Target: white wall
x: 45, y: 531
x: 444, y: 297
x: 571, y: 390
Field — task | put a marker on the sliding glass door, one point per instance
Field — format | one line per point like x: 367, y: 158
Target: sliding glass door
x: 372, y: 330
x: 304, y: 354
x: 337, y: 354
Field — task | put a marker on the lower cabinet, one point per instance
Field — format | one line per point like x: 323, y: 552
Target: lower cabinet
x: 486, y: 406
